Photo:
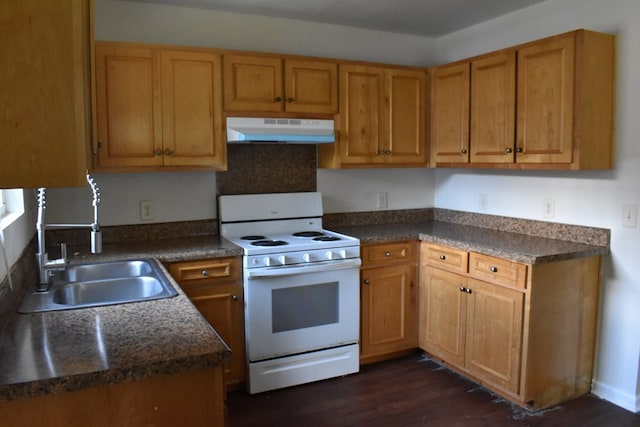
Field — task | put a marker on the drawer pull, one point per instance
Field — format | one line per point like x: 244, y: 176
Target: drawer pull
x: 367, y: 281
x: 234, y: 297
x: 442, y: 257
x: 493, y: 269
x: 387, y: 254
x: 205, y: 273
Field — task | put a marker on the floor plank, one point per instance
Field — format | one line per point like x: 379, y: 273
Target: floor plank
x: 411, y: 391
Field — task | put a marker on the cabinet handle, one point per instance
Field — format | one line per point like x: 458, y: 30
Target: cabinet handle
x: 366, y: 281
x: 290, y: 100
x: 467, y: 290
x: 158, y: 152
x: 442, y: 257
x: 519, y: 150
x: 508, y: 150
x: 463, y: 151
x: 205, y: 273
x: 387, y: 254
x: 168, y: 152
x: 493, y: 269
x: 234, y: 297
x: 462, y: 288
x: 277, y: 99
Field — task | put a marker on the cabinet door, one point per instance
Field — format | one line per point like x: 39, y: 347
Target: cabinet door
x: 405, y: 114
x: 128, y: 106
x: 443, y: 314
x: 388, y: 298
x: 311, y: 86
x: 192, y: 109
x: 450, y: 114
x: 545, y: 101
x: 361, y: 100
x: 223, y: 307
x: 252, y: 83
x: 45, y: 92
x: 493, y: 98
x: 494, y: 334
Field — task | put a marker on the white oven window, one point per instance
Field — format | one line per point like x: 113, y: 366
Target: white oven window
x: 304, y: 306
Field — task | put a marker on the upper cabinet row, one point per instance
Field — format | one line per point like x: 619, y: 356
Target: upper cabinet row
x: 544, y: 105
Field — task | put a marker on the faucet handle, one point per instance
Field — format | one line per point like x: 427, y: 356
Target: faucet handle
x: 63, y: 252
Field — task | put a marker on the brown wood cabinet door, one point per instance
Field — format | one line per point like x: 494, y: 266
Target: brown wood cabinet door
x: 253, y: 83
x: 494, y: 334
x: 405, y: 114
x: 388, y: 304
x: 450, y: 114
x: 128, y: 106
x: 311, y: 86
x: 223, y: 307
x: 192, y: 109
x: 361, y: 100
x: 545, y: 101
x: 45, y: 92
x: 493, y: 99
x: 443, y: 315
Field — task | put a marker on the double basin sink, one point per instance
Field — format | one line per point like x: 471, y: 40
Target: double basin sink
x: 97, y: 284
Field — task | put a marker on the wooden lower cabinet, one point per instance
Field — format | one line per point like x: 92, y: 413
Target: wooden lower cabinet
x: 525, y: 331
x: 194, y: 398
x: 388, y: 297
x: 215, y: 288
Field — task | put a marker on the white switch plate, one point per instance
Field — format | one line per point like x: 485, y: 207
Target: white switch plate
x: 382, y: 199
x: 629, y: 215
x: 146, y: 210
x: 549, y: 208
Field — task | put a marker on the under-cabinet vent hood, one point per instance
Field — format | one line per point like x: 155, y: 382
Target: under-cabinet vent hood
x: 292, y: 131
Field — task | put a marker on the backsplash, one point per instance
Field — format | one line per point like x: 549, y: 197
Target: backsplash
x: 268, y: 168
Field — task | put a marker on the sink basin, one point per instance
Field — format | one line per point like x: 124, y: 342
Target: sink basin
x: 97, y: 284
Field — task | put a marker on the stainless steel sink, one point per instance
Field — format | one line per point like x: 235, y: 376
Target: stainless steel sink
x: 96, y: 284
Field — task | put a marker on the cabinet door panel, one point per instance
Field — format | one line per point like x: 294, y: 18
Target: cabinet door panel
x: 311, y: 86
x: 361, y: 90
x: 493, y: 97
x: 388, y: 310
x: 494, y: 334
x: 443, y: 312
x: 128, y: 106
x: 191, y: 109
x: 450, y: 114
x: 405, y: 114
x: 252, y: 83
x: 545, y: 101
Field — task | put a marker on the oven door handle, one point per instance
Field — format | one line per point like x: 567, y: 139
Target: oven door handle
x: 303, y: 269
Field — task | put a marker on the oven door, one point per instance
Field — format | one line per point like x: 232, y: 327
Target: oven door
x: 291, y: 310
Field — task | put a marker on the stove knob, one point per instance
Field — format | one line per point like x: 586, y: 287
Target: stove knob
x: 267, y: 261
x: 329, y: 255
x: 282, y: 259
x: 306, y: 258
x: 343, y: 254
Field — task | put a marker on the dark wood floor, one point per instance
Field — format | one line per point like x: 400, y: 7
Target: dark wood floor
x: 411, y: 391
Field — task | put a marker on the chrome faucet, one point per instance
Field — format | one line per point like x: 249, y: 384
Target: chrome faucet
x: 46, y: 266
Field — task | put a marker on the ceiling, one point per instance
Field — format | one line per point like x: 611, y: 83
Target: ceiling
x: 418, y: 17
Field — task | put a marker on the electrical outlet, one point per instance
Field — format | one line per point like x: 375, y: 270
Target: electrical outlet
x: 549, y: 208
x: 382, y: 199
x: 146, y: 210
x: 483, y: 203
x: 629, y: 215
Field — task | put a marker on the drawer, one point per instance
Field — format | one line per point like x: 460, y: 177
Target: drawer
x: 497, y: 270
x: 387, y: 253
x: 445, y: 257
x: 223, y: 270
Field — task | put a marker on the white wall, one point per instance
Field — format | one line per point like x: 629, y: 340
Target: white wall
x: 593, y: 198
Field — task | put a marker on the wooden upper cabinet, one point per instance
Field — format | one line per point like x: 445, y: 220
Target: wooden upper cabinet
x: 382, y: 118
x: 45, y: 92
x: 450, y: 114
x: 273, y: 84
x: 158, y: 108
x: 493, y: 98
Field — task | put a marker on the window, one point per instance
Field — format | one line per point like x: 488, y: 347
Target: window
x: 11, y: 206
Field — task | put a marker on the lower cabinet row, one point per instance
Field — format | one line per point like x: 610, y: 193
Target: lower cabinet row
x: 525, y: 331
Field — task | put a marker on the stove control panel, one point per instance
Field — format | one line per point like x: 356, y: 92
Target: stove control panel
x: 301, y: 257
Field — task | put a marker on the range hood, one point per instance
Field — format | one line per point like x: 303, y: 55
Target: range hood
x: 292, y: 131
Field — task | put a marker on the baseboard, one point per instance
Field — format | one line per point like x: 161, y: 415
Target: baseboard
x: 627, y: 401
